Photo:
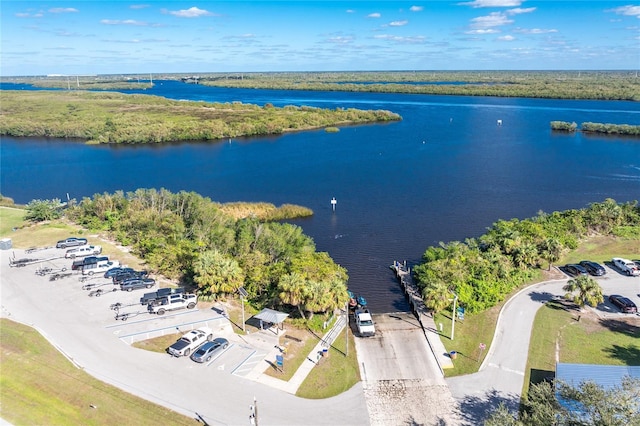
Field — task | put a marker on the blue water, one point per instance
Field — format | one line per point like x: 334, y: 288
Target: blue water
x: 445, y: 172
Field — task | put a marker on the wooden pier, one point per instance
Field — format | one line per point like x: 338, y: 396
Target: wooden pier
x: 403, y: 273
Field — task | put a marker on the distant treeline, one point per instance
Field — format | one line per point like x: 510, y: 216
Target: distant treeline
x: 483, y: 271
x: 602, y: 85
x: 109, y: 117
x: 610, y: 85
x: 607, y: 128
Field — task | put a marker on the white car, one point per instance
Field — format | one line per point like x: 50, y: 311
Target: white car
x: 626, y: 266
x: 100, y: 267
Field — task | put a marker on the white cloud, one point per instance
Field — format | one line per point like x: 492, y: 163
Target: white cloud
x: 494, y: 19
x: 374, y: 15
x: 492, y: 3
x: 506, y: 38
x: 29, y: 15
x: 398, y: 23
x: 629, y: 10
x: 340, y: 40
x: 481, y: 31
x: 416, y: 8
x: 519, y: 10
x: 138, y: 6
x: 123, y: 22
x: 400, y: 39
x: 192, y: 12
x: 535, y: 30
x: 63, y: 10
x: 350, y: 11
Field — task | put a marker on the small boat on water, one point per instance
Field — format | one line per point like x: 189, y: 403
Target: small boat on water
x: 361, y: 301
x: 353, y: 303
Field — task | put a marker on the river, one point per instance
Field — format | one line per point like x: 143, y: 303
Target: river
x: 446, y: 172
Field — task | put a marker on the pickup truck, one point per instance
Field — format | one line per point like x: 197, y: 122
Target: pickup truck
x: 150, y: 298
x: 172, y: 302
x: 95, y: 268
x: 364, y: 322
x: 78, y: 265
x: 626, y: 266
x: 190, y: 342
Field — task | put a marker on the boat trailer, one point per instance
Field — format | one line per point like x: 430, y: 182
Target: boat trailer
x: 46, y: 270
x: 20, y: 263
x: 99, y: 292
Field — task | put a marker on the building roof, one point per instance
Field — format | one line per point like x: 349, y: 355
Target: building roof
x: 269, y: 315
x: 607, y: 376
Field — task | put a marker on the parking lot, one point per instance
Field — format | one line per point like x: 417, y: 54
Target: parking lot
x: 86, y: 331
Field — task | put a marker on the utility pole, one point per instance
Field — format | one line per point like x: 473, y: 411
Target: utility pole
x: 346, y: 331
x: 453, y: 316
x: 253, y: 417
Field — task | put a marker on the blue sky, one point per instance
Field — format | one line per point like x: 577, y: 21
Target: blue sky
x: 107, y: 37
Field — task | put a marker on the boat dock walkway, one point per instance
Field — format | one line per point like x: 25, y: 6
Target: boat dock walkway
x: 403, y: 273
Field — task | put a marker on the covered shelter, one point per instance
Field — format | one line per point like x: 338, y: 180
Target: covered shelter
x: 271, y: 318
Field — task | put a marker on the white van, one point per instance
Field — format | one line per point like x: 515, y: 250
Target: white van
x: 83, y: 251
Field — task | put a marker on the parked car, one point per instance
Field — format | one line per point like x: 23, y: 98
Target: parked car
x: 575, y: 269
x: 626, y: 266
x: 100, y: 267
x: 593, y: 268
x: 209, y: 349
x: 625, y: 304
x: 78, y: 265
x: 117, y: 270
x: 128, y: 275
x: 150, y: 298
x: 82, y: 251
x: 71, y: 242
x: 137, y: 283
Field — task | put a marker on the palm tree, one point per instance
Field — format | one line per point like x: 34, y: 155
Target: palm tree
x: 589, y: 291
x: 436, y: 295
x: 293, y: 291
x: 551, y: 249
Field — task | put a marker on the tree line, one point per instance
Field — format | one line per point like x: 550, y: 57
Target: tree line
x: 190, y: 238
x: 483, y: 271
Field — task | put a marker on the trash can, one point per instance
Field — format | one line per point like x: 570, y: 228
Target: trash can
x: 453, y: 354
x: 325, y: 352
x: 5, y: 244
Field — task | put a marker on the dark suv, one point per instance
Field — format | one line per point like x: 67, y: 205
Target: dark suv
x: 128, y: 275
x: 625, y: 304
x: 593, y: 268
x: 137, y: 283
x: 575, y: 270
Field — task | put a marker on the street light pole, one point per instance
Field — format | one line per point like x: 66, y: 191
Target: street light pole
x: 453, y: 316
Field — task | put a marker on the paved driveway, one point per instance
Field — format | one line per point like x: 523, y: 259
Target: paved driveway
x: 85, y: 330
x: 501, y: 376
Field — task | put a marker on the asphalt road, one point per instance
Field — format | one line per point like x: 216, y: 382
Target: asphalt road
x: 85, y: 330
x: 501, y: 376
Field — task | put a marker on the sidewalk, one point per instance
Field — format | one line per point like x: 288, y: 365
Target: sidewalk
x: 291, y: 386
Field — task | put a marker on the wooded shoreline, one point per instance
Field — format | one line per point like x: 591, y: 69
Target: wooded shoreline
x: 112, y: 117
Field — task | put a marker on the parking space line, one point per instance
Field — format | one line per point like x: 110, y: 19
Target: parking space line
x: 172, y: 326
x: 248, y: 364
x: 220, y: 354
x: 122, y: 324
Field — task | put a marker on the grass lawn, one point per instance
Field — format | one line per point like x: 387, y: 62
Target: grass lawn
x: 39, y: 386
x: 334, y: 374
x: 601, y: 249
x: 10, y: 218
x: 558, y: 334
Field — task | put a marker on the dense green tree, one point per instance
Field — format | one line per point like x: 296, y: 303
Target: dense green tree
x: 587, y: 404
x: 41, y: 210
x: 217, y: 274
